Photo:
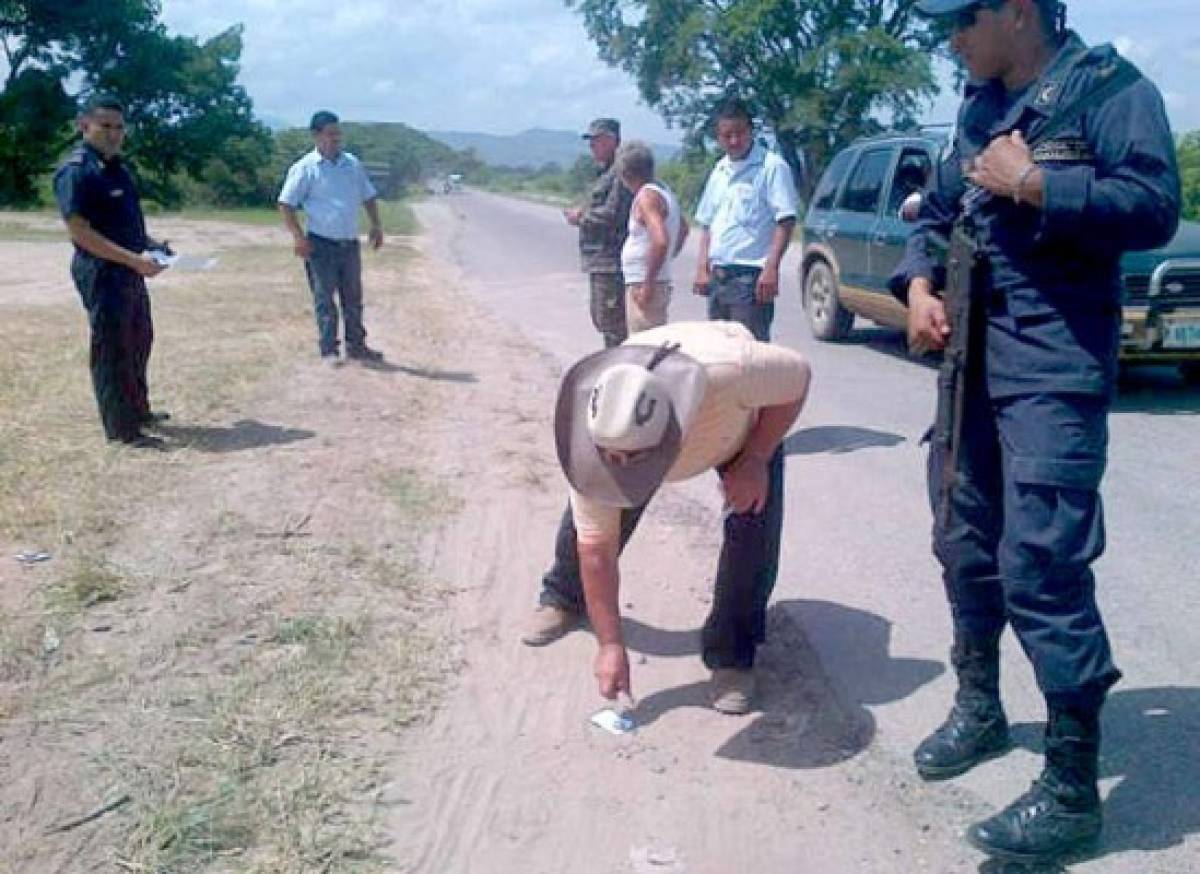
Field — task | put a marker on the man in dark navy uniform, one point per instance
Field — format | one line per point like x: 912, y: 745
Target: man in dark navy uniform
x: 99, y: 203
x: 1020, y: 523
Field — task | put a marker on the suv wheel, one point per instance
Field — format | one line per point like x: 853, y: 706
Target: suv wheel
x: 828, y: 318
x: 1190, y: 371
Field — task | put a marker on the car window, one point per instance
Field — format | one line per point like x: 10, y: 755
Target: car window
x: 866, y: 183
x: 830, y: 180
x: 912, y: 175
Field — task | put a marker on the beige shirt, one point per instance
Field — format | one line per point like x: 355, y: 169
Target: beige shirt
x: 743, y: 376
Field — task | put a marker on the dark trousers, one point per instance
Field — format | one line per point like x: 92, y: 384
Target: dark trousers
x: 118, y: 309
x: 746, y: 574
x: 1023, y: 526
x: 731, y: 298
x: 607, y: 305
x: 335, y: 268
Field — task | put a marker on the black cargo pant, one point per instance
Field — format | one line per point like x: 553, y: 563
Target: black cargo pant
x: 1023, y: 526
x: 118, y: 309
x: 746, y: 575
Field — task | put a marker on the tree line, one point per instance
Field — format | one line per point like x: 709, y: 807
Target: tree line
x: 194, y: 138
x: 820, y: 73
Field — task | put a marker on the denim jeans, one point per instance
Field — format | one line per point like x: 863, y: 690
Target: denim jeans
x: 746, y: 574
x: 335, y: 267
x: 731, y: 298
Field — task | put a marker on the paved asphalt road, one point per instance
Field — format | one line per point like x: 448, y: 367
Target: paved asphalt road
x: 856, y: 542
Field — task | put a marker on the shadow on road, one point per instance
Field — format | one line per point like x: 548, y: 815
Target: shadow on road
x: 807, y: 718
x: 422, y: 372
x: 1152, y: 746
x: 837, y: 440
x: 890, y: 341
x: 242, y: 434
x: 1157, y: 390
x: 995, y: 866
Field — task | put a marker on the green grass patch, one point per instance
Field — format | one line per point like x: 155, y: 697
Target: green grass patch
x: 88, y: 581
x: 397, y: 216
x: 256, y: 215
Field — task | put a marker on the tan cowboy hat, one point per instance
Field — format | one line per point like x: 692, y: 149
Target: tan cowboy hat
x: 631, y: 399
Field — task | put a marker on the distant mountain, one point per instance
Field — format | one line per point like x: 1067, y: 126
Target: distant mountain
x: 533, y: 148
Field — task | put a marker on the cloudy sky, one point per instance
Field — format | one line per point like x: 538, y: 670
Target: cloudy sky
x: 502, y: 66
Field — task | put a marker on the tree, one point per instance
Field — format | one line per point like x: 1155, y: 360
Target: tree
x: 819, y: 72
x: 34, y: 114
x: 1189, y: 171
x: 184, y: 107
x: 44, y: 43
x: 183, y: 102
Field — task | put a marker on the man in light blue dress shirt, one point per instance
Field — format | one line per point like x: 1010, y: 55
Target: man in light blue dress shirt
x: 746, y: 217
x: 329, y: 184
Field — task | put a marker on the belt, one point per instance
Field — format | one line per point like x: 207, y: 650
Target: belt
x: 724, y: 271
x: 331, y: 242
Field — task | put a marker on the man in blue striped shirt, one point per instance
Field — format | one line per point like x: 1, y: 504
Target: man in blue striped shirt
x: 329, y: 184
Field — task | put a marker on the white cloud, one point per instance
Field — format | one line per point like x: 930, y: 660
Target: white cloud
x: 355, y: 18
x: 490, y: 65
x: 505, y: 65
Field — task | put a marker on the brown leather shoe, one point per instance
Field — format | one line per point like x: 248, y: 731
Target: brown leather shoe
x: 547, y: 624
x: 732, y: 691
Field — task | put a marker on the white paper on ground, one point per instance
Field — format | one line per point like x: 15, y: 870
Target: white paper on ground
x: 613, y: 722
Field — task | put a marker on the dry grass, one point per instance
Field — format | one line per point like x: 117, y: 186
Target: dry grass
x: 236, y: 670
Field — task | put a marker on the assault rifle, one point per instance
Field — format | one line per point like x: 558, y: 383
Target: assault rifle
x: 966, y: 272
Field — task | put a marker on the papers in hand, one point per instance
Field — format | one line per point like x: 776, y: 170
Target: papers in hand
x: 182, y: 262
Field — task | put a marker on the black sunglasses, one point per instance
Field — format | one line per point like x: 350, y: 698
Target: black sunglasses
x: 965, y: 19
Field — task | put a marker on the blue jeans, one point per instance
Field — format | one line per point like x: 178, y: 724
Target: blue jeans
x: 335, y: 267
x: 746, y: 574
x: 731, y: 298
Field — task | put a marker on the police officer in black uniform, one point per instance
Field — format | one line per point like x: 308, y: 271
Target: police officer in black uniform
x: 1022, y: 523
x: 99, y: 203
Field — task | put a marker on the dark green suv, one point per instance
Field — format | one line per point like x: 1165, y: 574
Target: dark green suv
x: 854, y: 238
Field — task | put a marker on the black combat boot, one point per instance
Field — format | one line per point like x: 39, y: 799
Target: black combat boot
x: 976, y: 729
x: 1060, y: 814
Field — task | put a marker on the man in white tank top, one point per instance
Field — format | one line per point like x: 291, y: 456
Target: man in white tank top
x: 657, y: 230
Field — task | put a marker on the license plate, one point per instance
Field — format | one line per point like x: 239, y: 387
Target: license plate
x: 1181, y: 335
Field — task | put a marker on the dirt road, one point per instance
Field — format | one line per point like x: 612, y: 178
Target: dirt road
x: 323, y: 551
x: 820, y: 779
x: 515, y: 780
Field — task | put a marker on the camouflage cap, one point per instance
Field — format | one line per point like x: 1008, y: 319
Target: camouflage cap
x: 603, y: 126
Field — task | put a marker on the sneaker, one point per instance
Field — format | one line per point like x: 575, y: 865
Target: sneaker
x: 548, y: 624
x: 332, y: 361
x: 732, y: 691
x: 364, y: 353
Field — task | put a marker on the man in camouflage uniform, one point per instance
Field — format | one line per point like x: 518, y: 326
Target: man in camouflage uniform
x: 602, y: 225
x: 99, y: 203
